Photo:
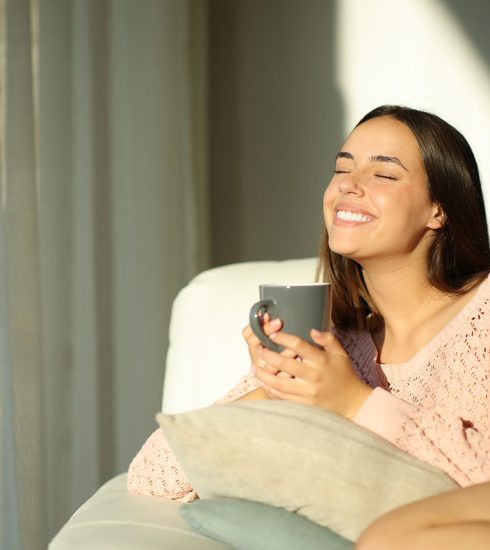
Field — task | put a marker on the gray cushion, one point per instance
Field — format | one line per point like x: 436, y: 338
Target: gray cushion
x: 301, y: 458
x: 248, y: 525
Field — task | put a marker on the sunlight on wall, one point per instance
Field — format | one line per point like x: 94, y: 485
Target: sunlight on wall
x: 415, y: 53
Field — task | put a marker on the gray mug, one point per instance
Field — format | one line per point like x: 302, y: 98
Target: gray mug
x: 300, y: 307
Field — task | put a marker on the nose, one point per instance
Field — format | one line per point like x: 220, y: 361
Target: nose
x: 350, y: 185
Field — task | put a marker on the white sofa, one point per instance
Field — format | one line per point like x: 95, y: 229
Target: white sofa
x: 206, y: 357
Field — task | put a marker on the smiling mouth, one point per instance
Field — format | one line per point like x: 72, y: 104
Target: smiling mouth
x: 347, y: 216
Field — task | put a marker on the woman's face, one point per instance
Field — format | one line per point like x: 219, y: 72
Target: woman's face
x: 377, y: 206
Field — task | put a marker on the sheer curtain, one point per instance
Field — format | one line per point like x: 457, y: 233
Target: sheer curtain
x: 103, y: 217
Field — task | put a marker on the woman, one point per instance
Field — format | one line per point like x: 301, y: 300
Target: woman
x: 456, y: 519
x: 406, y: 250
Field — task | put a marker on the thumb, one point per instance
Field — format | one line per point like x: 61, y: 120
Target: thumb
x: 328, y: 341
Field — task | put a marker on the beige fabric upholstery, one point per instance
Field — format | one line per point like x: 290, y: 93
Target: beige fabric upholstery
x: 114, y: 520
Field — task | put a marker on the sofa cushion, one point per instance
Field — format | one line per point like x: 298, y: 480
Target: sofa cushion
x: 247, y: 525
x: 112, y: 519
x: 301, y: 458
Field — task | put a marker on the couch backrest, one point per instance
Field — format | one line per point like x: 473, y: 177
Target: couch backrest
x: 207, y: 355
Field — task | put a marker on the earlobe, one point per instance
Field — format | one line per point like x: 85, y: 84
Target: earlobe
x: 438, y: 218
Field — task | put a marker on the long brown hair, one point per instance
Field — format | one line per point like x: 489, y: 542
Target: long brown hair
x: 459, y: 257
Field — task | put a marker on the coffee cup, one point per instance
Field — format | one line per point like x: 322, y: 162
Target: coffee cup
x: 300, y: 307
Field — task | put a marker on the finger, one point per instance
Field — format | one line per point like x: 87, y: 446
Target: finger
x: 254, y: 347
x: 272, y: 326
x: 281, y: 385
x: 250, y: 337
x: 299, y: 346
x: 247, y: 332
x: 275, y: 394
x: 283, y: 374
x: 289, y: 353
x: 263, y: 365
x: 268, y: 328
x: 281, y: 362
x: 328, y: 341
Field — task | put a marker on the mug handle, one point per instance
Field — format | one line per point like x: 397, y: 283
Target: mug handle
x: 258, y: 310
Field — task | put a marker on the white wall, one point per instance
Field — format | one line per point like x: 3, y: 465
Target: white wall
x: 418, y: 53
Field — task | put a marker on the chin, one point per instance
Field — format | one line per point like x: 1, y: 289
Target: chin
x: 343, y: 248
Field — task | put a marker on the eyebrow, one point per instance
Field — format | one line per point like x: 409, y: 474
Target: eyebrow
x: 373, y: 158
x: 344, y: 155
x: 384, y: 158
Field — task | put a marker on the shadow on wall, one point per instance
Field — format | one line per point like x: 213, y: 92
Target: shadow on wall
x: 473, y: 15
x: 275, y: 125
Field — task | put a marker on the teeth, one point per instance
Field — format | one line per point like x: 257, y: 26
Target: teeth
x: 352, y: 216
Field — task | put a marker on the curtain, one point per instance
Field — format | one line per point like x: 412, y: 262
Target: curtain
x: 103, y: 218
x: 22, y: 460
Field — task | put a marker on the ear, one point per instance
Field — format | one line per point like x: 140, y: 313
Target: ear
x: 438, y: 217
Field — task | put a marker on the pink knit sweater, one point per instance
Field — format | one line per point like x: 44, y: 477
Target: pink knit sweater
x: 436, y: 406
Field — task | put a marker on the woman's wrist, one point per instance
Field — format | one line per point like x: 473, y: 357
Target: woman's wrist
x: 255, y: 395
x: 361, y: 395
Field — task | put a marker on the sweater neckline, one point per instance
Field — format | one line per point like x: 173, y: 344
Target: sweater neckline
x: 482, y: 293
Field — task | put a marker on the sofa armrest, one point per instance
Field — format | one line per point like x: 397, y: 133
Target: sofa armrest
x: 112, y: 519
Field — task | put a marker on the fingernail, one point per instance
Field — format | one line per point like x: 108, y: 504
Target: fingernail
x: 276, y: 323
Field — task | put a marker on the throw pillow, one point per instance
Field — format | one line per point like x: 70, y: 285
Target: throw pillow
x: 300, y: 458
x: 247, y: 525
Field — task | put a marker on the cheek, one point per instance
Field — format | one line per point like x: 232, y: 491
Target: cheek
x: 328, y: 201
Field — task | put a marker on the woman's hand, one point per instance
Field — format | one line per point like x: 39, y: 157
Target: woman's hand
x: 321, y: 376
x: 255, y: 346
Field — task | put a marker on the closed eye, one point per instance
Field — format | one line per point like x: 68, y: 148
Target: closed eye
x: 384, y: 176
x: 341, y: 171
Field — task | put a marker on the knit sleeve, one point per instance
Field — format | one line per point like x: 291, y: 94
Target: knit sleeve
x: 452, y: 444
x: 156, y: 471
